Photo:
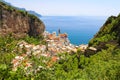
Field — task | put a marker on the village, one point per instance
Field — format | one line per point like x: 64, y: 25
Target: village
x: 56, y: 44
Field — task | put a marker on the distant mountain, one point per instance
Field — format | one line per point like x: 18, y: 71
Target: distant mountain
x: 34, y: 13
x: 23, y: 9
x: 30, y: 12
x: 5, y: 2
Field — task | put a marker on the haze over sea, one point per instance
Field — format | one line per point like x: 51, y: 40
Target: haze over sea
x: 80, y: 29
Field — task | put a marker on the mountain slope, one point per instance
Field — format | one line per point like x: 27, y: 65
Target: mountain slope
x: 108, y: 34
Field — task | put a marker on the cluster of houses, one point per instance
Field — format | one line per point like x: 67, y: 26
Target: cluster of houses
x: 55, y: 44
x: 21, y: 61
x: 58, y: 43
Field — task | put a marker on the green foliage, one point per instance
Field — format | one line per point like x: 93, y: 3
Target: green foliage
x: 109, y: 31
x: 33, y: 17
x: 24, y: 13
x: 35, y: 40
x: 104, y: 38
x: 104, y: 65
x: 7, y: 44
x: 7, y: 53
x: 4, y: 70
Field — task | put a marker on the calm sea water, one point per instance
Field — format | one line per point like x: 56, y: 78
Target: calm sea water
x: 79, y: 29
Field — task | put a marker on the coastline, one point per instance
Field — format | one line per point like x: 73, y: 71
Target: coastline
x: 78, y: 28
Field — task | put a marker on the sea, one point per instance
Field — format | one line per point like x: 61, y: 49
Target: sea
x: 80, y: 29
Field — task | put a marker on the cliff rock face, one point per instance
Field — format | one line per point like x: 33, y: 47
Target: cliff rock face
x: 18, y: 22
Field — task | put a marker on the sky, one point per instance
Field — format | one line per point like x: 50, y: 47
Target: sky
x: 70, y: 7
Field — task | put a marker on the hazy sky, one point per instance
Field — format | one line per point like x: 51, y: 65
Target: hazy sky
x: 70, y: 7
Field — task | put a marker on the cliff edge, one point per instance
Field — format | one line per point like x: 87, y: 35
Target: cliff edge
x: 19, y: 23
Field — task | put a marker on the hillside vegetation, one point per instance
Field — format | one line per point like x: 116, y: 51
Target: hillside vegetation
x: 109, y: 32
x: 103, y: 65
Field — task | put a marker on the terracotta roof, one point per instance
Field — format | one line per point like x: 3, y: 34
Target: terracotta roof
x: 56, y: 39
x: 54, y: 58
x: 63, y: 35
x: 50, y: 36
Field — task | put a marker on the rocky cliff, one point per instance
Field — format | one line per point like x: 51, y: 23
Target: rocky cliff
x: 19, y: 23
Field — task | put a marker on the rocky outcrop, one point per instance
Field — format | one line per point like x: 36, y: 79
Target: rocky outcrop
x: 19, y: 23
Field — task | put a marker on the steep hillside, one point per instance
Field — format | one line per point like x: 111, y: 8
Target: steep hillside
x: 36, y: 58
x: 108, y: 34
x: 18, y: 22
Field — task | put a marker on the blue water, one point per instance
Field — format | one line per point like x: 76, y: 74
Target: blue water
x: 79, y: 29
